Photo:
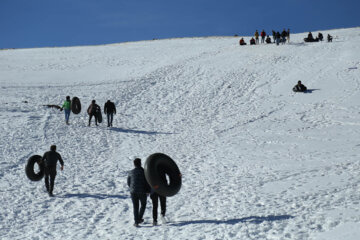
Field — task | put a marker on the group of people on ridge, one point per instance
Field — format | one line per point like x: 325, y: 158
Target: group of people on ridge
x: 139, y: 187
x: 320, y: 37
x: 265, y: 38
x: 93, y: 111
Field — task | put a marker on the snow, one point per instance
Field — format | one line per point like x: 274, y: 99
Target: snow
x: 258, y: 161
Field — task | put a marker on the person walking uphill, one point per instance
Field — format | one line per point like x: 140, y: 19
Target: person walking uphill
x: 155, y: 197
x: 67, y: 107
x: 92, y: 111
x: 139, y: 188
x: 50, y: 159
x: 109, y: 110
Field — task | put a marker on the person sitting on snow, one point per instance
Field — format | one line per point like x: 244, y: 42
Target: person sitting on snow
x: 320, y: 36
x: 242, y: 41
x: 310, y: 37
x: 268, y: 39
x: 329, y: 38
x: 299, y: 87
x: 252, y: 41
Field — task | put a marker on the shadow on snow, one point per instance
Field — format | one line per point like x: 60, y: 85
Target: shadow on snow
x: 311, y: 90
x: 136, y: 131
x: 97, y: 196
x: 252, y: 219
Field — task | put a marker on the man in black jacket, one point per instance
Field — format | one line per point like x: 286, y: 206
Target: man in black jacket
x: 139, y: 188
x: 50, y: 159
x: 299, y: 87
x: 109, y: 110
x: 283, y: 36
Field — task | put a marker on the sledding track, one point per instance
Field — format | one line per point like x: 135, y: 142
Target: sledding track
x: 258, y: 161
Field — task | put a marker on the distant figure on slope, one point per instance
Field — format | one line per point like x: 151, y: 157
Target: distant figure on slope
x: 242, y: 42
x: 109, y: 110
x: 288, y: 35
x: 139, y: 188
x: 283, y: 36
x: 268, y: 39
x: 252, y: 41
x: 67, y: 109
x: 92, y: 111
x: 263, y: 35
x: 320, y: 36
x: 50, y: 159
x: 257, y: 36
x: 278, y: 36
x: 310, y: 38
x: 329, y: 38
x: 274, y: 35
x: 299, y: 87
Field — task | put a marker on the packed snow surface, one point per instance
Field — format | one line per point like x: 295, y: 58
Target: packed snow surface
x: 258, y: 160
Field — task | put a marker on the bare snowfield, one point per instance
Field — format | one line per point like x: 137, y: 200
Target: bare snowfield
x: 258, y: 160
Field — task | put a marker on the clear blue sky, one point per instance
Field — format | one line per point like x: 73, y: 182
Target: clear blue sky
x: 40, y: 23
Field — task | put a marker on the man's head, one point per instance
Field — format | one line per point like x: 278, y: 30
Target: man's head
x: 93, y: 101
x: 68, y: 98
x: 53, y: 147
x: 299, y: 82
x: 137, y: 162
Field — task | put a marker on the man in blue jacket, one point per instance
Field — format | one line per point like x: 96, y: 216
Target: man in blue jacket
x: 139, y: 188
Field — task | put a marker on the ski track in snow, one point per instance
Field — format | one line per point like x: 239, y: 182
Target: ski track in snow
x: 258, y: 161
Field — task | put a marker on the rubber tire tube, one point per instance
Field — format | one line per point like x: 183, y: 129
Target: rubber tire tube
x: 155, y: 167
x: 29, y: 168
x: 75, y: 105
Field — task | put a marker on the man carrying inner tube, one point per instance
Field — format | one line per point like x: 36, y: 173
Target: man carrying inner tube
x: 50, y: 159
x: 139, y: 188
x: 92, y: 110
x: 155, y: 197
x: 155, y: 201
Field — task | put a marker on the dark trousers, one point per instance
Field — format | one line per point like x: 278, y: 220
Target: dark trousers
x: 155, y: 200
x: 90, y: 117
x: 137, y: 199
x: 110, y: 119
x: 49, y: 172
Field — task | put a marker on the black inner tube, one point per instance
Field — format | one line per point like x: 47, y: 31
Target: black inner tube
x: 29, y: 168
x: 75, y: 105
x: 158, y: 167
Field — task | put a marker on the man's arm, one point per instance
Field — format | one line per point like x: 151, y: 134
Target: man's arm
x: 61, y: 162
x: 129, y: 180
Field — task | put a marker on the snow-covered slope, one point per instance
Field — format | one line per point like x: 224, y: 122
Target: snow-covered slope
x: 258, y: 161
